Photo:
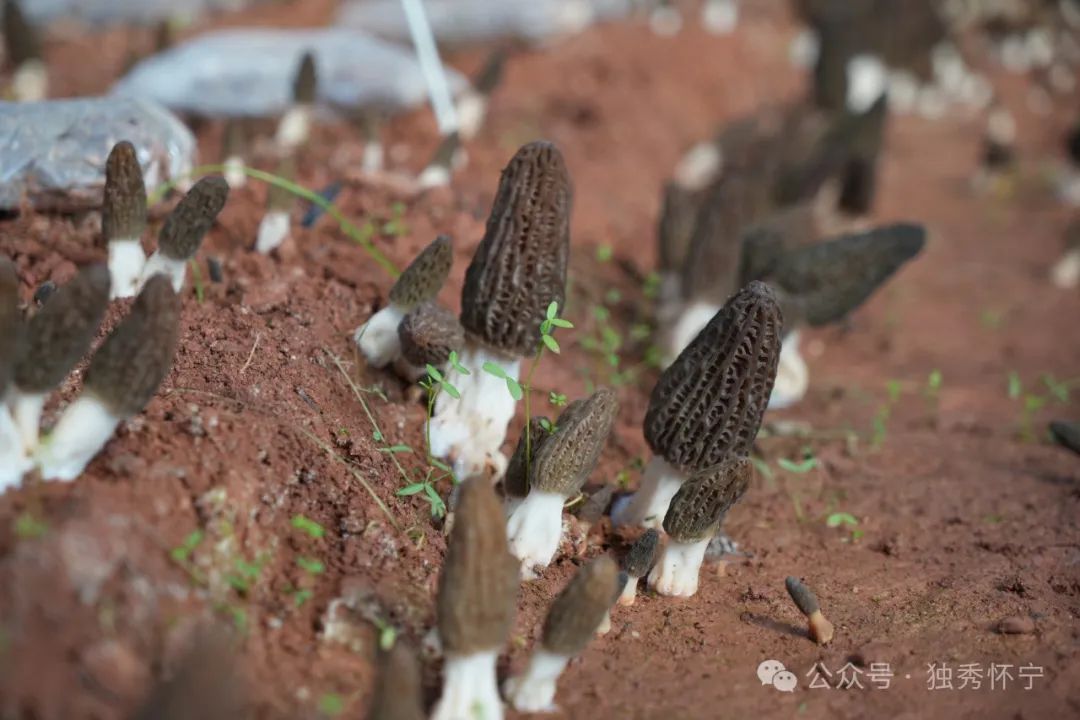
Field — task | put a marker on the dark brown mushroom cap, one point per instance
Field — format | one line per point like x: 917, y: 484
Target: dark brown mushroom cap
x: 398, y: 691
x: 765, y: 242
x: 709, y: 403
x: 677, y: 217
x: 429, y: 334
x: 563, y: 462
x: 700, y: 504
x: 580, y: 608
x: 123, y: 213
x: 480, y: 577
x: 10, y: 323
x: 305, y: 82
x: 822, y: 283
x: 596, y: 505
x: 642, y: 554
x: 516, y: 479
x: 206, y: 684
x: 21, y: 37
x: 803, y: 597
x: 519, y: 268
x: 1067, y: 434
x: 57, y: 337
x: 192, y: 218
x: 130, y: 365
x: 425, y: 275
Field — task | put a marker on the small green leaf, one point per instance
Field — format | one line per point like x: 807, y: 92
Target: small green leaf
x: 553, y: 310
x: 556, y: 399
x: 492, y: 369
x: 1016, y: 387
x: 762, y: 467
x: 302, y: 596
x: 933, y: 382
x: 551, y: 344
x: 894, y: 388
x: 411, y: 489
x: 185, y: 549
x: 612, y: 296
x: 312, y: 565
x: 331, y: 704
x: 515, y: 388
x: 561, y: 323
x: 841, y: 518
x: 604, y: 253
x: 434, y: 372
x: 441, y: 465
x: 801, y: 467
x: 387, y: 637
x: 396, y: 449
x: 309, y: 526
x: 451, y: 390
x: 29, y: 527
x: 1059, y: 390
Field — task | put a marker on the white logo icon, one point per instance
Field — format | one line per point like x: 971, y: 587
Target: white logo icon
x: 773, y: 672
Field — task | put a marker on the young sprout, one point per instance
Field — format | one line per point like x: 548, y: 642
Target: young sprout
x: 206, y: 684
x: 399, y: 688
x: 274, y: 226
x: 295, y: 126
x: 516, y: 480
x: 472, y: 104
x: 558, y: 469
x: 475, y: 608
x: 448, y: 156
x: 695, y: 515
x: 184, y: 229
x: 378, y: 338
x: 709, y: 403
x: 123, y: 219
x: 638, y: 562
x: 428, y: 334
x: 1067, y: 434
x: 30, y: 80
x: 1066, y: 272
x: 53, y: 342
x: 13, y: 460
x: 821, y: 630
x: 571, y: 623
x: 518, y: 270
x: 123, y: 375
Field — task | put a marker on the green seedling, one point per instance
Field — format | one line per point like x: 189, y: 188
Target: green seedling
x: 331, y: 704
x: 197, y: 280
x: 1032, y: 405
x: 604, y: 253
x: 309, y: 526
x: 311, y: 565
x: 28, y: 527
x: 1014, y: 387
x: 846, y: 520
x: 395, y: 226
x: 893, y: 390
x: 1058, y: 390
x: 557, y: 399
x: 426, y: 489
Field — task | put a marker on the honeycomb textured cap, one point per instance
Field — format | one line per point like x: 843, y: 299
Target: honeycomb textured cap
x: 429, y: 334
x: 578, y: 610
x: 563, y: 462
x: 192, y: 218
x: 708, y: 404
x: 516, y: 479
x: 130, y: 365
x: 398, y: 691
x: 123, y: 214
x: 519, y: 268
x: 642, y: 555
x: 61, y: 333
x: 425, y: 276
x: 305, y: 82
x: 21, y: 37
x: 700, y: 504
x: 10, y: 322
x: 803, y: 597
x: 207, y: 684
x: 479, y: 579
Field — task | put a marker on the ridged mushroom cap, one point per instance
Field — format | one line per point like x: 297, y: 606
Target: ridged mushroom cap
x: 428, y: 335
x: 60, y: 334
x: 803, y: 597
x: 1067, y: 434
x: 480, y: 577
x: 563, y: 462
x: 708, y: 404
x: 399, y: 688
x: 21, y: 38
x: 642, y: 555
x: 305, y: 82
x: 519, y: 268
x: 10, y: 322
x: 206, y: 684
x: 192, y: 218
x: 677, y: 217
x: 123, y: 213
x: 578, y: 610
x: 516, y: 479
x: 701, y: 502
x: 424, y: 277
x: 136, y: 356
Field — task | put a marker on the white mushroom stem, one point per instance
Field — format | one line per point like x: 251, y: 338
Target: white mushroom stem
x: 433, y: 176
x: 126, y: 263
x: 80, y: 434
x: 868, y: 79
x: 30, y: 82
x: 378, y: 337
x: 26, y: 412
x: 720, y: 17
x: 13, y: 460
x: 1066, y: 271
x: 699, y: 166
x: 471, y: 109
x: 294, y: 128
x: 804, y: 49
x: 629, y: 591
x: 691, y: 321
x: 470, y: 430
x: 159, y: 264
x: 792, y: 375
x: 234, y: 171
x: 676, y: 572
x: 373, y: 158
x: 649, y: 504
x: 273, y: 229
x: 534, y: 530
x: 605, y: 625
x: 470, y: 689
x: 534, y: 690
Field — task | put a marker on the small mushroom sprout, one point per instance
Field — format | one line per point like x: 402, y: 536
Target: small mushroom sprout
x: 378, y: 338
x: 475, y: 606
x: 695, y: 515
x: 398, y: 690
x: 571, y: 623
x: 13, y: 460
x: 295, y: 126
x: 184, y: 230
x: 638, y: 562
x: 123, y: 219
x: 276, y: 221
x: 517, y: 272
x: 123, y: 375
x: 516, y: 480
x: 557, y: 472
x: 821, y: 630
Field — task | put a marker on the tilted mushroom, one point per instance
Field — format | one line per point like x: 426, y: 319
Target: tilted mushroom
x: 428, y: 335
x: 277, y: 220
x: 558, y: 469
x: 695, y: 515
x: 709, y: 403
x: 821, y: 630
x: 295, y: 126
x: 123, y: 219
x: 399, y: 688
x: 571, y: 622
x: 123, y: 375
x: 184, y: 229
x: 476, y: 605
x: 638, y: 562
x: 518, y: 270
x: 22, y: 43
x: 378, y: 338
x: 54, y: 341
x: 516, y: 479
x: 13, y: 460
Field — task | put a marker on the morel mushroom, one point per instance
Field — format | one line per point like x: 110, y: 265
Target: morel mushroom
x: 638, y: 562
x: 428, y: 334
x: 184, y: 230
x: 518, y: 270
x: 557, y: 471
x: 13, y: 460
x: 233, y: 150
x: 123, y: 375
x: 821, y: 630
x: 516, y: 480
x: 1067, y: 434
x: 378, y: 338
x: 448, y: 156
x: 398, y: 691
x: 275, y: 223
x: 571, y: 623
x: 709, y: 403
x: 620, y: 584
x: 695, y: 515
x: 53, y: 343
x: 295, y: 126
x: 476, y: 605
x: 22, y: 41
x: 123, y: 219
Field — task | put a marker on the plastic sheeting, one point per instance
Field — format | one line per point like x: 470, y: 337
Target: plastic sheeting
x: 100, y: 12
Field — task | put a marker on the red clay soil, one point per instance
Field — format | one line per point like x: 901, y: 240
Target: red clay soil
x: 962, y: 523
